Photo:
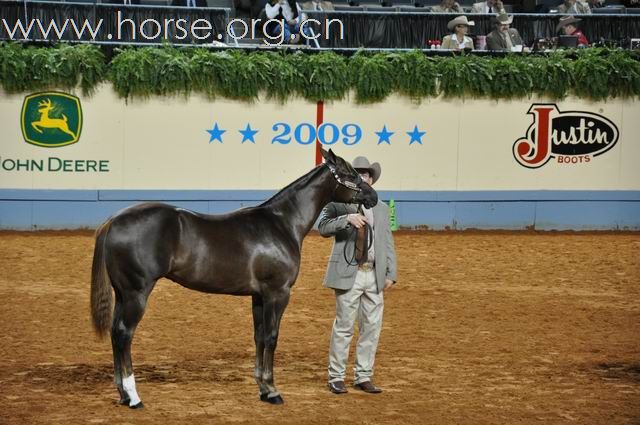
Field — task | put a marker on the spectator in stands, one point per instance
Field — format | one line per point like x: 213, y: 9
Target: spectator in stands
x: 290, y: 16
x: 574, y: 7
x: 568, y: 25
x: 489, y: 6
x: 458, y: 40
x: 596, y: 4
x: 447, y: 6
x: 321, y: 5
x: 630, y: 4
x: 503, y: 37
x: 189, y: 3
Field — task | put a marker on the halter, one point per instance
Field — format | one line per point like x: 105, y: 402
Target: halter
x: 348, y: 185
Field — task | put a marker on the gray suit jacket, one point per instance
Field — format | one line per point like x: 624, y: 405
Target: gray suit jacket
x: 333, y: 222
x: 496, y: 42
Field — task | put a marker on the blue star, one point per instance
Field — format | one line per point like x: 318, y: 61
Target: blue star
x: 416, y: 136
x: 384, y: 135
x: 216, y: 133
x: 247, y: 134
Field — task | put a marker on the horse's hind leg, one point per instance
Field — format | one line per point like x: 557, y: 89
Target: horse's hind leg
x: 273, y: 308
x: 124, y: 325
x: 258, y: 336
x: 117, y: 351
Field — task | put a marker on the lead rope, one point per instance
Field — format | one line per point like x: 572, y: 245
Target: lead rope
x: 353, y: 235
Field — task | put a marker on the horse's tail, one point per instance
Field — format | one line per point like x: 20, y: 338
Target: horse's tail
x: 101, y: 298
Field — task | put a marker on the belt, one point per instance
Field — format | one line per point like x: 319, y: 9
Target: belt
x: 366, y: 267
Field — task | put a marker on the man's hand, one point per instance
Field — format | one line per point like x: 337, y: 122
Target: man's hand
x: 388, y: 283
x: 356, y: 220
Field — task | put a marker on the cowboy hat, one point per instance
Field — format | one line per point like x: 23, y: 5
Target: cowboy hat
x: 566, y: 20
x: 503, y: 19
x: 362, y: 163
x: 460, y: 20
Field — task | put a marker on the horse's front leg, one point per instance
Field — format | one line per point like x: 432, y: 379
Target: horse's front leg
x: 258, y: 336
x: 273, y: 307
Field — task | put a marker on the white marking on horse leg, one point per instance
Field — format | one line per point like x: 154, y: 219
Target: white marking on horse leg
x: 257, y: 374
x: 129, y: 384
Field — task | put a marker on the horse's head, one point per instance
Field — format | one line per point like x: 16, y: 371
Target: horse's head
x: 350, y: 188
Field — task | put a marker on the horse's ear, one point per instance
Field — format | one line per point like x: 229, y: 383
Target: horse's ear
x: 330, y: 157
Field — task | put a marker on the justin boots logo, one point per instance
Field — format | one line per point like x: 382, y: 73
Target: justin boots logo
x: 570, y: 137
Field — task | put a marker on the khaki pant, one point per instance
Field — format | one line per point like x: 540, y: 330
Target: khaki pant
x: 364, y: 302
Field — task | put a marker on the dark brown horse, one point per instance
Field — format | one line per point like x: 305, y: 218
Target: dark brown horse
x: 253, y: 251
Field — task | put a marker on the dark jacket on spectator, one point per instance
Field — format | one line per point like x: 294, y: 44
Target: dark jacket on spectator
x: 199, y: 3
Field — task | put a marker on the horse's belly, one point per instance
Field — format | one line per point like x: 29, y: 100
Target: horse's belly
x: 215, y: 286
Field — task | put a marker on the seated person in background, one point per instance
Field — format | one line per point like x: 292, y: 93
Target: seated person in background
x: 575, y: 7
x: 568, y: 25
x: 488, y: 6
x: 447, y: 6
x: 289, y: 13
x: 629, y: 4
x: 503, y: 37
x: 458, y: 40
x: 595, y: 4
x: 189, y: 3
x: 317, y: 5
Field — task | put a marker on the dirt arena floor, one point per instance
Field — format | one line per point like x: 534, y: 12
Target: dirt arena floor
x: 501, y: 328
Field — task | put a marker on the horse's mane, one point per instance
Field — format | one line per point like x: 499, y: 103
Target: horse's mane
x: 301, y: 181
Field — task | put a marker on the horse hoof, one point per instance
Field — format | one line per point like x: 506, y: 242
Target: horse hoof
x: 275, y: 400
x: 137, y: 406
x: 124, y: 401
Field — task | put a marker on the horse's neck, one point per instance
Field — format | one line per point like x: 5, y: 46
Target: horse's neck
x: 300, y: 203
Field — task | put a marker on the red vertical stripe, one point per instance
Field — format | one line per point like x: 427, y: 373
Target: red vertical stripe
x: 319, y: 119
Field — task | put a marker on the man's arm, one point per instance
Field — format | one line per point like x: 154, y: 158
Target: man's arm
x: 492, y: 43
x: 330, y: 222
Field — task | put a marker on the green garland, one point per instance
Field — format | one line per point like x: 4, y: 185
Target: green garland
x: 595, y: 74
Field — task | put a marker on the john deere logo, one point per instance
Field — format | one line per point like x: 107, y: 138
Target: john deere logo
x: 51, y: 119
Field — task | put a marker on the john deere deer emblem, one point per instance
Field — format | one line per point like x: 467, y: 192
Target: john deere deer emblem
x: 51, y: 119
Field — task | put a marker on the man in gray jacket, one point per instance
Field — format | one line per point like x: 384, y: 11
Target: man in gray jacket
x: 503, y: 37
x: 359, y: 283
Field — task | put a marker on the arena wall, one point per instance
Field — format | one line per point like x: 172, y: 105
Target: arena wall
x: 455, y: 164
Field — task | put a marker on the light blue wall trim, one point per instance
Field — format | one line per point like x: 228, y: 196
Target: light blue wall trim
x: 47, y: 195
x: 184, y: 195
x: 517, y: 210
x: 512, y: 195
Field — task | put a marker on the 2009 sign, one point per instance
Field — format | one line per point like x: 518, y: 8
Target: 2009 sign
x: 327, y: 133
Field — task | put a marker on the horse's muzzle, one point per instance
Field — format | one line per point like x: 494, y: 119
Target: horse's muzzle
x: 367, y: 196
